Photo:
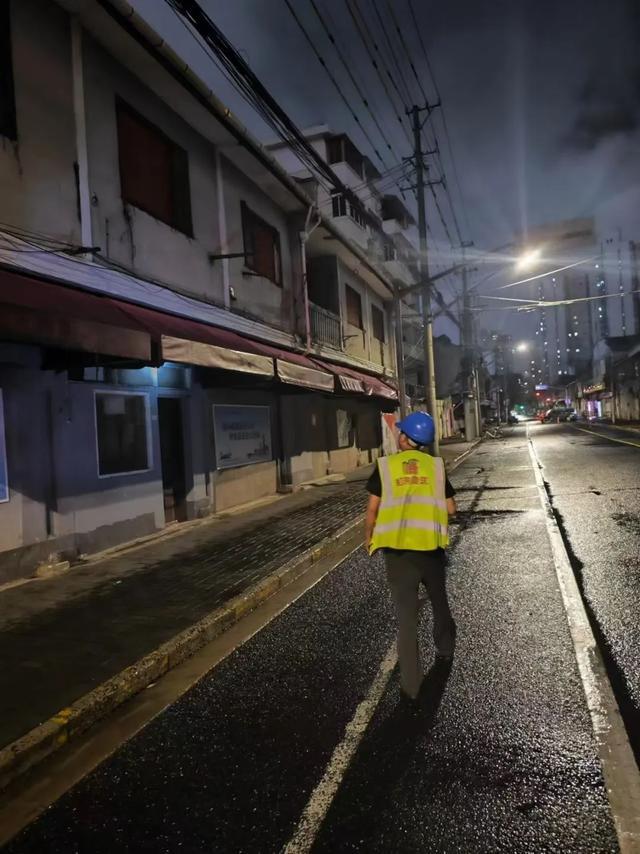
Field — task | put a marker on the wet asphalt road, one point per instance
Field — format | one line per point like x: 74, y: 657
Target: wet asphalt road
x: 594, y: 486
x: 499, y: 757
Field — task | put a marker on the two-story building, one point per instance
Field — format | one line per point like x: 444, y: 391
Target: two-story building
x: 183, y: 327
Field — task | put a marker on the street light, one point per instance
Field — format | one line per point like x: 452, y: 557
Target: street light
x: 528, y: 259
x: 522, y: 347
x: 429, y: 368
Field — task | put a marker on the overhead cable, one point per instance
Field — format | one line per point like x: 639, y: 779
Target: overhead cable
x: 355, y: 14
x: 352, y: 78
x: 335, y: 83
x: 442, y: 113
x: 265, y: 103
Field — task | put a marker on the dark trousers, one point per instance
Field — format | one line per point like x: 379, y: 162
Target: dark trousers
x: 405, y: 571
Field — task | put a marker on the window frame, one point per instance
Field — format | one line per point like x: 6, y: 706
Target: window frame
x: 4, y: 465
x: 376, y: 308
x: 247, y: 216
x: 177, y: 153
x: 8, y: 122
x: 339, y: 205
x: 148, y: 435
x: 359, y: 325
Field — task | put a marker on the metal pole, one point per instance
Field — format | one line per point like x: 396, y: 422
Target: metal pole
x: 423, y: 270
x: 476, y: 385
x: 402, y: 386
x: 468, y: 353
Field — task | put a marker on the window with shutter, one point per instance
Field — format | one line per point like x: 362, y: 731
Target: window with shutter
x: 261, y: 246
x: 377, y: 323
x: 154, y: 171
x: 8, y: 126
x: 354, y: 308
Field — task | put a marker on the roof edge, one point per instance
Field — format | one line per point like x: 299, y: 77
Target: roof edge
x: 124, y: 14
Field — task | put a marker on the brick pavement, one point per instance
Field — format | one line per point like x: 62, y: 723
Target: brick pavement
x: 64, y: 637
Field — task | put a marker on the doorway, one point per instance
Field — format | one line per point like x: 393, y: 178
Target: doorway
x: 172, y: 458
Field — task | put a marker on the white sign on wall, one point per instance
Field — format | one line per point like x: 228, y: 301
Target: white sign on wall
x: 242, y: 435
x: 4, y: 474
x: 344, y: 428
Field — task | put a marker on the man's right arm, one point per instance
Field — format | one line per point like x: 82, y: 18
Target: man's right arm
x: 370, y: 519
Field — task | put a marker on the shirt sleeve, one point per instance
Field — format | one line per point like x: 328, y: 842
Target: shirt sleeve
x: 374, y: 484
x: 449, y: 491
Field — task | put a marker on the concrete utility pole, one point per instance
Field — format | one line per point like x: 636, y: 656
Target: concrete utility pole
x: 471, y: 404
x: 423, y: 269
x: 635, y: 284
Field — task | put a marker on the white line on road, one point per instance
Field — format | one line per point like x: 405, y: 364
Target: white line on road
x: 324, y: 793
x: 621, y: 775
x: 607, y: 436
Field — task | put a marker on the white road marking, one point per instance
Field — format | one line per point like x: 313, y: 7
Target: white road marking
x: 324, y: 793
x: 593, y: 432
x: 620, y: 772
x: 322, y: 796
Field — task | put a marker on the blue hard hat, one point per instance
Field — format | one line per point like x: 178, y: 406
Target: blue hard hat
x: 419, y: 427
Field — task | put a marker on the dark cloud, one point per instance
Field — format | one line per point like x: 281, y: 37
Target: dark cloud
x: 608, y: 102
x: 595, y: 125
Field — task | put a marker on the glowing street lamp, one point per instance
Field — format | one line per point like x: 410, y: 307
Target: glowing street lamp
x: 528, y: 259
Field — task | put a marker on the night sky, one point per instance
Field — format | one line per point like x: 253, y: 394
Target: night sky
x: 541, y: 99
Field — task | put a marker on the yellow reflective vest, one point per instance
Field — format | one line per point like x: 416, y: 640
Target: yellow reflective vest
x: 413, y: 508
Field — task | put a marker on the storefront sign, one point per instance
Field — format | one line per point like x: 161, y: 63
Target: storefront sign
x: 4, y: 475
x: 242, y: 435
x: 592, y: 389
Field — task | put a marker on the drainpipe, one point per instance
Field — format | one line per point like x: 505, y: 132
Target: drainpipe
x: 80, y: 118
x: 304, y: 236
x: 399, y: 348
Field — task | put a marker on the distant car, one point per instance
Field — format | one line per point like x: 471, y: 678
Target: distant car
x: 560, y: 413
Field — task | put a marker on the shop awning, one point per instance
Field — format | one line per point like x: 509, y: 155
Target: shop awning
x: 306, y: 376
x: 349, y: 379
x: 53, y: 315
x: 193, y: 343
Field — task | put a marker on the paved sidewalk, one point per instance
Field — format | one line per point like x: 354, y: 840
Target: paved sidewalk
x: 63, y: 637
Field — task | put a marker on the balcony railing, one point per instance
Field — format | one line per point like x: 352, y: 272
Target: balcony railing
x: 325, y: 327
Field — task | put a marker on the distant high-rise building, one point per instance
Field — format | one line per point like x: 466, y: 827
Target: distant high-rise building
x: 564, y: 334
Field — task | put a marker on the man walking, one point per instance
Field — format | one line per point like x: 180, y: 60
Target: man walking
x: 410, y: 502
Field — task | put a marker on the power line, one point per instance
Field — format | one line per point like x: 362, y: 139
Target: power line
x: 392, y: 52
x: 351, y: 5
x: 442, y: 113
x: 246, y: 92
x: 406, y: 49
x: 379, y: 189
x: 248, y: 83
x: 407, y: 53
x: 352, y: 78
x: 335, y: 83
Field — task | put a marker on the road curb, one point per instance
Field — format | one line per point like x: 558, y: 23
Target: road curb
x: 619, y: 769
x: 32, y: 748
x: 457, y: 460
x: 67, y: 724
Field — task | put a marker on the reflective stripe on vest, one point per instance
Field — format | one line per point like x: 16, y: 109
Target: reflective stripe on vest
x: 413, y: 508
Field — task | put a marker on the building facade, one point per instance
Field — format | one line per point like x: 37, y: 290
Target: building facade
x: 183, y: 328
